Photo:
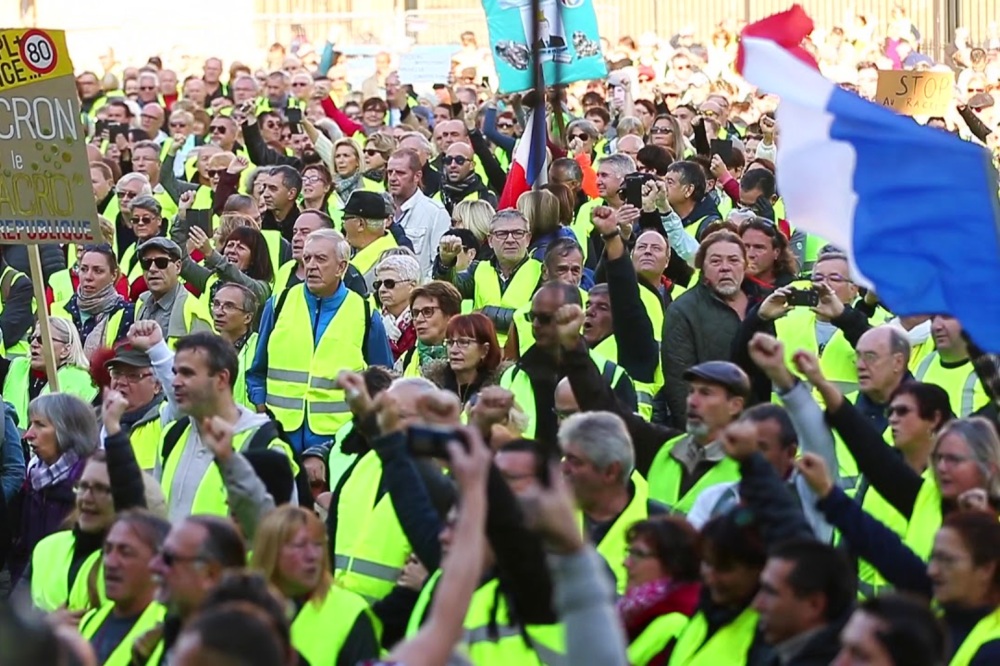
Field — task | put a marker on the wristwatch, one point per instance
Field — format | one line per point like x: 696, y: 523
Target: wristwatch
x: 612, y: 234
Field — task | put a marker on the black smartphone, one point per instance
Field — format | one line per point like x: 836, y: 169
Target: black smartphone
x: 100, y: 126
x: 633, y: 188
x: 430, y: 441
x: 723, y: 148
x: 116, y: 129
x: 803, y: 298
x: 294, y: 117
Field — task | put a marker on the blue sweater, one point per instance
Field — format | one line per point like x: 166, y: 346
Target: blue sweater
x: 12, y: 468
x: 326, y: 309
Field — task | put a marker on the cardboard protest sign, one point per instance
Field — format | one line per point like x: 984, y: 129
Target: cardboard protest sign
x: 913, y: 93
x: 568, y: 36
x: 45, y: 190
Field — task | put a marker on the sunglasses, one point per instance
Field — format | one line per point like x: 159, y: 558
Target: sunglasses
x: 542, y: 318
x: 178, y: 124
x: 898, y: 410
x: 505, y: 125
x: 142, y: 220
x: 215, y: 173
x: 272, y: 125
x: 389, y: 284
x: 159, y: 262
x: 581, y: 137
x: 660, y: 130
x: 171, y: 558
x: 455, y: 159
x: 372, y: 152
x: 147, y: 87
x: 217, y: 129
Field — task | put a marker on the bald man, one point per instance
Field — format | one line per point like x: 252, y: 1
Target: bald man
x: 630, y: 145
x: 461, y: 181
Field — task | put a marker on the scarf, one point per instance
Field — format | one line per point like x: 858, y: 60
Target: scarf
x: 455, y: 192
x: 644, y: 603
x: 42, y: 475
x: 430, y: 353
x: 99, y: 306
x: 344, y: 186
x: 378, y: 175
x: 394, y: 326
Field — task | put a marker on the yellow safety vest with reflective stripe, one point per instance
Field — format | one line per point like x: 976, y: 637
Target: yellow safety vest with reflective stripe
x: 283, y: 276
x: 517, y: 382
x: 519, y: 290
x: 411, y: 363
x: 655, y: 637
x: 322, y: 626
x: 72, y: 380
x: 338, y: 462
x: 211, y: 495
x: 145, y: 441
x: 730, y: 644
x: 366, y: 258
x: 168, y: 209
x: 986, y: 631
x: 925, y: 520
x: 301, y: 378
x: 92, y: 622
x: 666, y: 473
x: 15, y: 347
x: 490, y: 638
x: 50, y: 564
x: 61, y: 283
x: 264, y: 104
x: 181, y: 323
x: 612, y: 546
x: 838, y: 360
x: 110, y: 330
x: 919, y: 352
x: 847, y: 467
x: 371, y: 548
x: 129, y: 263
x: 693, y: 227
x: 962, y: 383
x: 583, y: 223
x: 246, y: 355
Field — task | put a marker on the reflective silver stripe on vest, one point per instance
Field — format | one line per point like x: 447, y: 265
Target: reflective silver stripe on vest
x: 366, y: 568
x: 546, y: 655
x: 849, y: 482
x: 338, y: 407
x: 644, y: 398
x: 293, y: 376
x: 323, y: 383
x: 969, y: 394
x: 284, y: 403
x: 846, y: 387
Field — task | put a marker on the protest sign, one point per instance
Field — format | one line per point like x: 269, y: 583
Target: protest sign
x: 569, y: 48
x: 426, y: 65
x: 45, y: 190
x: 912, y: 93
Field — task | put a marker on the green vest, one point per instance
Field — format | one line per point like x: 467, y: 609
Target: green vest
x: 145, y: 439
x: 338, y: 462
x: 612, y: 547
x: 985, y: 631
x: 322, y: 626
x: 302, y: 378
x: 655, y: 637
x: 962, y: 383
x: 518, y: 383
x: 61, y: 283
x: 122, y: 655
x: 519, y: 290
x: 111, y: 330
x: 366, y: 258
x: 72, y: 380
x: 246, y: 354
x: 50, y: 564
x: 666, y: 474
x: 283, y: 276
x: 583, y: 224
x: 838, y: 360
x: 12, y: 348
x: 729, y: 645
x: 181, y: 319
x: 370, y: 543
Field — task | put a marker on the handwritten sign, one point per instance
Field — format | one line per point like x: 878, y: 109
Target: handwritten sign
x: 45, y: 190
x: 915, y: 93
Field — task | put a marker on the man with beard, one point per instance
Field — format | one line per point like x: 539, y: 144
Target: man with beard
x: 262, y: 154
x: 461, y: 181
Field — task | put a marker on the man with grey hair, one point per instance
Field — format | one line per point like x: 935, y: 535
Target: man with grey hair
x: 366, y: 221
x: 307, y: 335
x: 598, y: 461
x: 611, y: 173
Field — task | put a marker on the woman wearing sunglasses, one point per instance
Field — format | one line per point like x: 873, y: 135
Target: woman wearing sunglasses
x: 145, y: 218
x: 395, y: 278
x: 378, y: 148
x: 65, y: 569
x: 349, y: 166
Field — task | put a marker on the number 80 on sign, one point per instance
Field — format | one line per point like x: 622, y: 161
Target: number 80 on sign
x: 38, y: 51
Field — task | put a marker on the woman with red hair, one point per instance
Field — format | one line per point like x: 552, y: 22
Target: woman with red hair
x: 473, y: 360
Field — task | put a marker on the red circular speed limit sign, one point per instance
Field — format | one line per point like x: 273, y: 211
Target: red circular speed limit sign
x: 38, y: 51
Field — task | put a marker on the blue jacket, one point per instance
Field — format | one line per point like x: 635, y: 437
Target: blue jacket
x: 12, y: 468
x: 379, y: 353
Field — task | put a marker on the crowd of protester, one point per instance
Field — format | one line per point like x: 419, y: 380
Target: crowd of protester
x: 321, y: 402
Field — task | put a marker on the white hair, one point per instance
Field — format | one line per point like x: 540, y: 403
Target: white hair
x: 603, y: 439
x: 339, y: 242
x: 407, y: 267
x: 64, y: 329
x: 147, y: 189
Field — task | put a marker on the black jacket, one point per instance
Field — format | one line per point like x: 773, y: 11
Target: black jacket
x: 471, y: 187
x: 52, y: 256
x: 17, y: 317
x: 262, y: 154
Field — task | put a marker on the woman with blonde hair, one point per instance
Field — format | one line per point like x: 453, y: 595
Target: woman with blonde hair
x: 474, y: 216
x: 378, y: 148
x: 348, y: 171
x: 541, y: 209
x: 24, y: 377
x: 330, y: 625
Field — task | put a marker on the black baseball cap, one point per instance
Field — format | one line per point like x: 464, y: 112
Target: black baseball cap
x: 367, y: 205
x: 723, y: 373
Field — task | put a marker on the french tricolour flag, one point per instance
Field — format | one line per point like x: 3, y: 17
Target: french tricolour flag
x: 528, y: 167
x: 915, y: 208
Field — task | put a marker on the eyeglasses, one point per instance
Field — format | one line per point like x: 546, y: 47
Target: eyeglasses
x: 898, y: 410
x: 147, y: 87
x: 142, y: 220
x: 226, y: 307
x: 504, y: 234
x: 313, y: 178
x: 178, y: 124
x: 425, y: 312
x: 96, y: 489
x: 389, y: 283
x: 159, y: 262
x: 272, y: 125
x: 660, y: 130
x: 461, y: 343
x: 217, y: 129
x: 638, y: 553
x: 869, y: 358
x: 171, y: 558
x: 948, y: 459
x: 563, y: 414
x: 129, y: 377
x: 37, y: 339
x: 125, y: 194
x: 372, y: 152
x: 455, y: 159
x: 543, y: 318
